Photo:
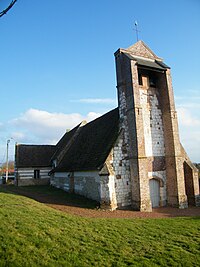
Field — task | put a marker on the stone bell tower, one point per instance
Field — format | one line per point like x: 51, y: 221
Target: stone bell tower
x: 158, y: 162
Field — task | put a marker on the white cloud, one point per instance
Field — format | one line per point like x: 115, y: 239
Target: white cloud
x: 18, y: 136
x: 2, y: 127
x: 188, y: 109
x: 92, y: 115
x: 197, y: 97
x: 189, y: 129
x: 189, y: 105
x: 96, y: 101
x: 44, y: 127
x: 186, y: 118
x: 189, y: 99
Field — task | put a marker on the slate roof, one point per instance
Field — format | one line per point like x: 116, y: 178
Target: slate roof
x: 159, y: 65
x: 91, y: 145
x: 144, y: 56
x: 34, y: 155
x: 155, y: 65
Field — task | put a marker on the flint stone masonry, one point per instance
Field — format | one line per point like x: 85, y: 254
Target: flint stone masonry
x: 149, y: 120
x: 82, y: 183
x: 121, y: 169
x: 121, y: 163
x: 153, y: 125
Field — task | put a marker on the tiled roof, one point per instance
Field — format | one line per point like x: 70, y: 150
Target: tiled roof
x: 34, y: 155
x: 92, y: 144
x: 144, y: 56
x: 141, y: 49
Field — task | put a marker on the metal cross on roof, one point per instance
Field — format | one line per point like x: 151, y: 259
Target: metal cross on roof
x: 136, y: 30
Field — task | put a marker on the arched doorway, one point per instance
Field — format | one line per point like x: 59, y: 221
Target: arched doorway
x: 154, y: 187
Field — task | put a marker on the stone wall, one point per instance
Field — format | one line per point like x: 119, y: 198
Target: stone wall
x: 153, y: 125
x: 154, y: 137
x: 112, y: 190
x: 121, y: 167
x: 108, y: 198
x: 83, y: 183
x: 61, y: 180
x: 87, y: 183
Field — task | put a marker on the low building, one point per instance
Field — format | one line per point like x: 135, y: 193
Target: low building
x: 84, y: 162
x: 32, y: 164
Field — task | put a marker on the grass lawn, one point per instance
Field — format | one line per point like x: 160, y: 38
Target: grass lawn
x: 32, y: 234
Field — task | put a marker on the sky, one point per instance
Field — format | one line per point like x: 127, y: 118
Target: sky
x: 57, y: 63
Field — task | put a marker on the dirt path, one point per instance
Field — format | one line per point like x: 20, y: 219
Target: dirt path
x: 65, y: 206
x: 157, y: 213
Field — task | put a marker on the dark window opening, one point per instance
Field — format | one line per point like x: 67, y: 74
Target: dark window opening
x: 36, y: 174
x: 152, y: 81
x: 140, y: 78
x: 152, y: 77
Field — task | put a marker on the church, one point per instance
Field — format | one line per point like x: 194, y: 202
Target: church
x: 131, y: 157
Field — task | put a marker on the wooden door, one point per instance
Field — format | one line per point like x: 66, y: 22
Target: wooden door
x: 154, y: 187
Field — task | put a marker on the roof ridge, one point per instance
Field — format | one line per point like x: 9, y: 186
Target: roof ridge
x: 91, y: 145
x: 64, y: 150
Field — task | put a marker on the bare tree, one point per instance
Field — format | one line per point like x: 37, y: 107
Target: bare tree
x: 5, y: 10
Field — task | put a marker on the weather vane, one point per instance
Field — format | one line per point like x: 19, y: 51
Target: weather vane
x: 136, y: 30
x: 4, y: 10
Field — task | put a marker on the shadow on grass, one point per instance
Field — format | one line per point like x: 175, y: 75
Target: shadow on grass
x: 60, y: 199
x: 50, y: 195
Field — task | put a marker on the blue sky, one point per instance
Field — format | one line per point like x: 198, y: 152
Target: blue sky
x: 57, y: 65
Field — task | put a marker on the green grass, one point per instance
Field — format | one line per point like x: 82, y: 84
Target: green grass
x: 32, y: 234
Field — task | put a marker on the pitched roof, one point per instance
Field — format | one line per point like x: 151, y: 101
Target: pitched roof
x: 144, y: 56
x: 141, y: 49
x: 92, y: 144
x: 153, y: 64
x: 34, y: 155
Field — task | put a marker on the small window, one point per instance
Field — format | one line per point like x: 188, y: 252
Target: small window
x: 36, y: 174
